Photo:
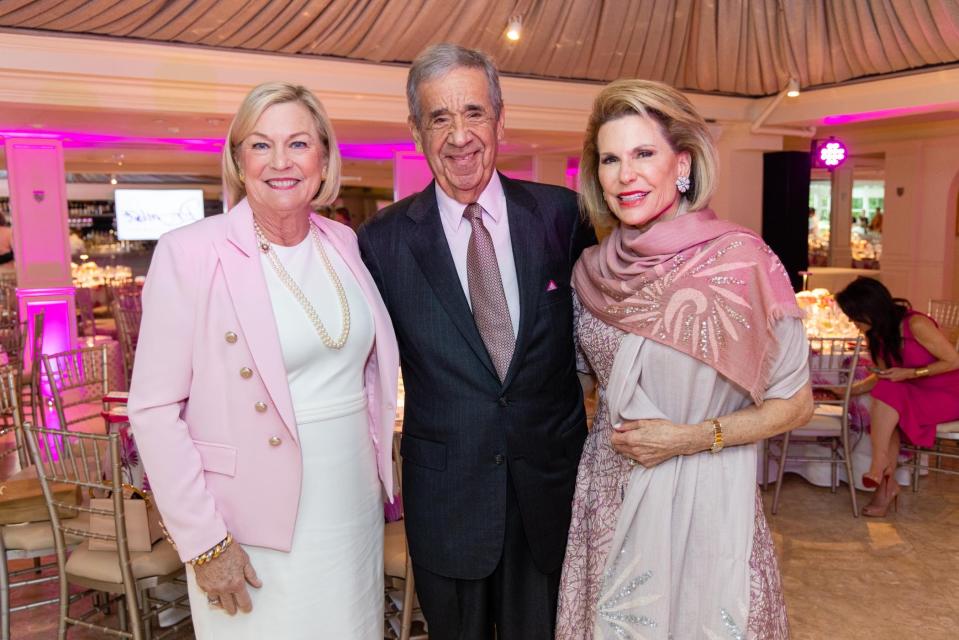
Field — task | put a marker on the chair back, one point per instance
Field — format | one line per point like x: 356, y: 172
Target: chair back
x: 11, y: 341
x: 78, y: 380
x: 87, y: 324
x: 31, y: 350
x: 128, y: 328
x: 832, y: 363
x: 11, y: 423
x: 75, y: 464
x: 946, y: 314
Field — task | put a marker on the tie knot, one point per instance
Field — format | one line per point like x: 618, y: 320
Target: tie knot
x: 473, y: 212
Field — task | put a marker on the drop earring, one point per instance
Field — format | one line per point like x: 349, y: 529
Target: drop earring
x: 682, y: 184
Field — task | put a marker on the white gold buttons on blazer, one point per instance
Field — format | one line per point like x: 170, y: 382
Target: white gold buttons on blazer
x: 260, y: 407
x: 230, y: 337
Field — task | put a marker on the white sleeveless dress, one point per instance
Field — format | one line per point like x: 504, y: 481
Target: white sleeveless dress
x: 330, y: 585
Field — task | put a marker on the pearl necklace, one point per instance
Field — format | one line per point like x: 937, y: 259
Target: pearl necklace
x: 291, y: 285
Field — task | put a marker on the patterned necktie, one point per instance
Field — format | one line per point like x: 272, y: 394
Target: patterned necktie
x: 487, y: 297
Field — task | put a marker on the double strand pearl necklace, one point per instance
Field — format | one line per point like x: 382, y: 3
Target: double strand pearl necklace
x: 291, y: 285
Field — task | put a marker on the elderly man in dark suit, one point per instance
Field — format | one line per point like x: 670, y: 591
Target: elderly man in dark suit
x: 475, y: 272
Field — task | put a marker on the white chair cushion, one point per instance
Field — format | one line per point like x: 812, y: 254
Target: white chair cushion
x: 948, y: 430
x: 834, y: 410
x: 38, y: 536
x: 820, y: 426
x: 394, y: 549
x: 105, y: 565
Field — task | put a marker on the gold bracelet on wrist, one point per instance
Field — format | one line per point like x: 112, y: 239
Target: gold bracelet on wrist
x: 214, y: 553
x: 921, y: 372
x: 717, y: 436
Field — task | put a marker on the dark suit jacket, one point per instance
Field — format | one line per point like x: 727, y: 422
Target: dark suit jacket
x: 464, y: 430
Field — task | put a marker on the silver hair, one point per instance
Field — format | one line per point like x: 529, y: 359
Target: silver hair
x: 440, y: 59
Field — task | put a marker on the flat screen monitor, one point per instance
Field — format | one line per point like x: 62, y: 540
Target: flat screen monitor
x: 146, y: 214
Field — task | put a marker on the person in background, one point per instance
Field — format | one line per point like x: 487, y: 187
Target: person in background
x: 6, y: 245
x: 915, y: 386
x: 692, y: 327
x: 813, y: 223
x: 264, y: 391
x: 475, y: 272
x: 342, y: 215
x: 876, y: 223
x: 77, y: 245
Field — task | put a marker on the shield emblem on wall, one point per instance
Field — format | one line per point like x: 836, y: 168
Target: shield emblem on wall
x: 38, y: 195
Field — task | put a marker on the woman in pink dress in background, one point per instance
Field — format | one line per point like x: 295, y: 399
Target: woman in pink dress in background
x: 916, y: 387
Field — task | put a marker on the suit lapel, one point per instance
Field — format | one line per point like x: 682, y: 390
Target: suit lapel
x: 527, y: 237
x: 251, y: 300
x: 428, y: 244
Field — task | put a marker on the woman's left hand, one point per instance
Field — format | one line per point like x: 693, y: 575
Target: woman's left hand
x: 896, y: 374
x: 650, y: 442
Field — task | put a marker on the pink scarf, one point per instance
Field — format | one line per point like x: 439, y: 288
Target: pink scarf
x: 707, y: 287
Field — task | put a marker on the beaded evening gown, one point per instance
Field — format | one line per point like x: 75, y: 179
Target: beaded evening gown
x: 330, y: 585
x: 693, y: 556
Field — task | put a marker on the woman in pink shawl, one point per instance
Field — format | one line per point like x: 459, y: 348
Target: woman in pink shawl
x: 691, y: 327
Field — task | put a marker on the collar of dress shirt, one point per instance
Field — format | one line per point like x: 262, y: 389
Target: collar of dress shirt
x: 493, y: 201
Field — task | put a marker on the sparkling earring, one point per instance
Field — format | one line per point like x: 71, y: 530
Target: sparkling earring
x: 682, y: 184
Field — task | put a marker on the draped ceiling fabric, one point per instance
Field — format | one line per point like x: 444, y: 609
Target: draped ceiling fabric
x: 738, y: 47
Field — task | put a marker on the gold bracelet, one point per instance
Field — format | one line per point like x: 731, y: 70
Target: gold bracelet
x: 920, y: 372
x: 717, y: 436
x: 213, y: 553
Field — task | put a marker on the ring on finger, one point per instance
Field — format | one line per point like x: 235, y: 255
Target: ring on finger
x: 213, y: 601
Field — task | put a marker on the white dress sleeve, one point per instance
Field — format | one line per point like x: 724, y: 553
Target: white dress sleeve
x: 791, y: 369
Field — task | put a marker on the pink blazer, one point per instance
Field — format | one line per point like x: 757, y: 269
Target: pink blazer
x: 221, y: 448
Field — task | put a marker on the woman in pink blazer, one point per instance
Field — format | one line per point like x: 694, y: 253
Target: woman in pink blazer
x: 264, y: 390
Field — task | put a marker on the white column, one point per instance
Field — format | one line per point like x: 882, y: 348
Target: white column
x: 411, y: 174
x: 739, y: 196
x: 840, y: 217
x: 550, y: 169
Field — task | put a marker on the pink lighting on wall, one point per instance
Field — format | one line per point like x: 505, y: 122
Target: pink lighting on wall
x: 84, y: 140
x: 829, y: 153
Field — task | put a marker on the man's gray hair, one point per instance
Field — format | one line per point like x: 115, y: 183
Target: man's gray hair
x: 440, y: 59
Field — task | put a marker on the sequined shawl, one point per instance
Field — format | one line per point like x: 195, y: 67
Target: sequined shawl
x: 706, y: 287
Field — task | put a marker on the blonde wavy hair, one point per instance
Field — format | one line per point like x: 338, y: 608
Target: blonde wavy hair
x: 681, y: 124
x: 256, y: 102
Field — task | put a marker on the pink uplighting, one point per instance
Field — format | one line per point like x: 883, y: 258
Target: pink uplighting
x: 81, y: 140
x: 881, y: 114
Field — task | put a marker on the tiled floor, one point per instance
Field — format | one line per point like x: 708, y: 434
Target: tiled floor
x: 845, y: 578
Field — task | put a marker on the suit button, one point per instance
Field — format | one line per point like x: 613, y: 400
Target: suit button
x: 275, y: 441
x: 260, y: 407
x: 503, y: 402
x: 498, y: 458
x: 230, y: 337
x: 246, y: 372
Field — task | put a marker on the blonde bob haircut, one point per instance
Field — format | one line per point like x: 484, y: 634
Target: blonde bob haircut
x: 682, y: 126
x: 256, y: 102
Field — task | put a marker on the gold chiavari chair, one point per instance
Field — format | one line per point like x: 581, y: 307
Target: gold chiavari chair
x: 30, y: 370
x: 402, y: 608
x: 946, y: 314
x: 91, y: 463
x: 832, y: 367
x: 32, y: 540
x: 78, y: 380
x: 128, y: 329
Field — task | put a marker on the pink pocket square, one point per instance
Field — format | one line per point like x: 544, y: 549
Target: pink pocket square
x: 551, y: 286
